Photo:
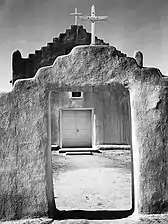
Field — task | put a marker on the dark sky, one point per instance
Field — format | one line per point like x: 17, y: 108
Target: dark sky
x: 132, y: 25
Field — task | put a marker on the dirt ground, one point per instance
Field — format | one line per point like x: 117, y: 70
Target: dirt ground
x: 103, y: 178
x: 92, y: 182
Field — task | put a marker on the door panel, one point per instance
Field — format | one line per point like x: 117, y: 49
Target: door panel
x: 76, y: 128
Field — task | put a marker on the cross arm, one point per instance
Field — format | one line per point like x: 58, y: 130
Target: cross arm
x: 100, y: 18
x: 75, y: 13
x: 93, y: 18
x: 85, y: 18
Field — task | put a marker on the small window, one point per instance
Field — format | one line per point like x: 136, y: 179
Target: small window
x: 76, y: 95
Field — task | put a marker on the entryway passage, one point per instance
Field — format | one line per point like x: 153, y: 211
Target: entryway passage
x: 76, y: 128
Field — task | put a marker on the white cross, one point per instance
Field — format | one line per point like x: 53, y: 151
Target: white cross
x: 76, y: 14
x: 92, y: 19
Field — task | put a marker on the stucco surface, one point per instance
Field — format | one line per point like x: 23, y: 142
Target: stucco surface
x: 25, y: 158
x: 22, y: 146
x: 149, y: 132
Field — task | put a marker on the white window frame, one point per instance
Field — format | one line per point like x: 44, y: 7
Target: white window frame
x: 76, y: 98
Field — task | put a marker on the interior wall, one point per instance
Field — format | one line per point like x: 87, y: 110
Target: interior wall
x: 111, y: 109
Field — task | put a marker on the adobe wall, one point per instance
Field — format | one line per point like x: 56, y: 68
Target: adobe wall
x: 23, y: 140
x: 27, y: 67
x: 111, y: 109
x: 26, y: 174
x: 149, y: 105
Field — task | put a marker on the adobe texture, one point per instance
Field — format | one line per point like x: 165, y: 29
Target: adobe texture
x: 27, y: 67
x: 23, y: 139
x: 26, y: 173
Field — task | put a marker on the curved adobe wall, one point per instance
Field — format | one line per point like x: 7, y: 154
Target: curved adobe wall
x: 23, y: 68
x: 25, y: 176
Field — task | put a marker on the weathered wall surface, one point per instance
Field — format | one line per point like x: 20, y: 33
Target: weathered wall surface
x: 112, y: 114
x: 23, y: 140
x: 150, y: 137
x: 25, y: 158
x: 111, y: 108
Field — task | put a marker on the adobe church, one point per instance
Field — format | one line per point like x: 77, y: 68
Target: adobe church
x: 79, y: 119
x: 81, y: 100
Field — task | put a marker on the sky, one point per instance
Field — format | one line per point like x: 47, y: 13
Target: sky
x: 132, y: 25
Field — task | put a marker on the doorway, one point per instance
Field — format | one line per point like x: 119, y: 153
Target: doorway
x: 76, y: 127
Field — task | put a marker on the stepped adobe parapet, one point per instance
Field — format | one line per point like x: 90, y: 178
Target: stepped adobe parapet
x: 62, y: 45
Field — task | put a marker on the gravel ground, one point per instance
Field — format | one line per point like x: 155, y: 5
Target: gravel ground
x: 93, y: 182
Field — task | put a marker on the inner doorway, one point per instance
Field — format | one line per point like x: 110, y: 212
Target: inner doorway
x: 76, y: 127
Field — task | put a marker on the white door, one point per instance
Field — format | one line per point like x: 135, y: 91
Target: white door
x: 76, y: 128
